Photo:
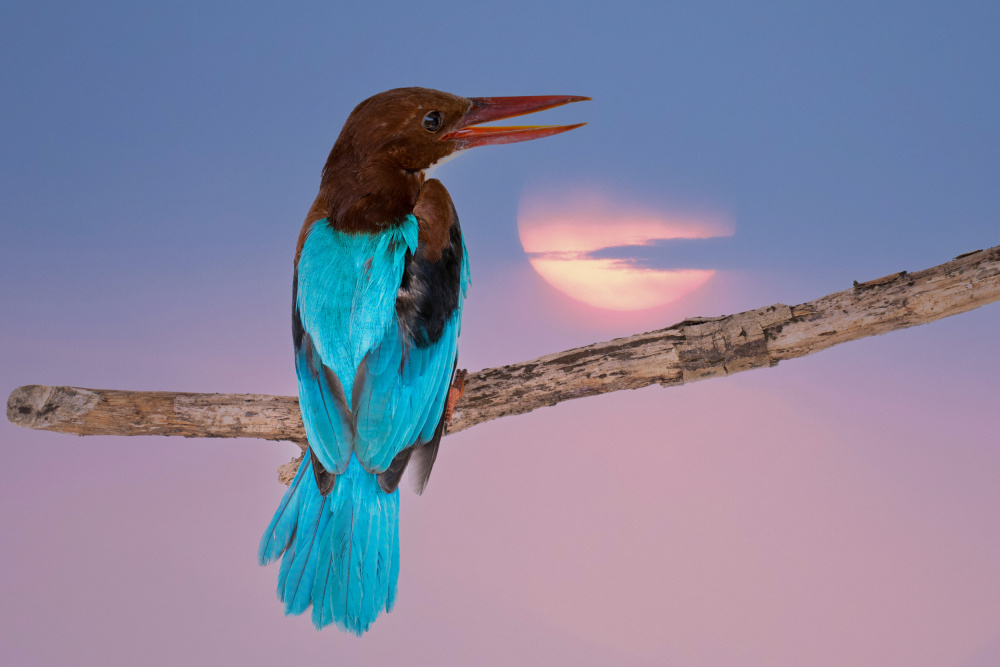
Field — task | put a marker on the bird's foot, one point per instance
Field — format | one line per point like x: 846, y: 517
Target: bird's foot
x: 454, y: 393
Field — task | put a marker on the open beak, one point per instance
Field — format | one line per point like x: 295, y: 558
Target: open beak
x: 486, y: 109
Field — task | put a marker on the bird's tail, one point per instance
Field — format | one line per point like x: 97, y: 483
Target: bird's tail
x: 341, y: 552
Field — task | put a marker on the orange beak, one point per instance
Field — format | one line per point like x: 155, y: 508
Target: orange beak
x: 486, y: 109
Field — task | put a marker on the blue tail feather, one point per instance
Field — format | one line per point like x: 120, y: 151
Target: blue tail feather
x: 390, y: 596
x: 295, y: 591
x: 281, y: 530
x: 370, y: 567
x: 340, y: 554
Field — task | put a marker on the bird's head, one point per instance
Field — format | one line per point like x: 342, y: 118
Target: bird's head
x: 392, y: 139
x: 411, y: 129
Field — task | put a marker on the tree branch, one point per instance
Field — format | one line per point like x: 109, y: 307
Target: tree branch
x: 694, y: 349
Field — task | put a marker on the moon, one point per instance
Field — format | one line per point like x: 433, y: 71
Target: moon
x: 560, y: 233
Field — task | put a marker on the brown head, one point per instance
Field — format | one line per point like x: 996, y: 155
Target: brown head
x: 375, y: 170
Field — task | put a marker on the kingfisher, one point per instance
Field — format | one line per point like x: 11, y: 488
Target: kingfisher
x: 381, y: 273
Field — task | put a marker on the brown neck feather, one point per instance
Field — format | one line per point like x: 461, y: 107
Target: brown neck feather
x: 435, y: 214
x: 364, y: 193
x: 363, y: 199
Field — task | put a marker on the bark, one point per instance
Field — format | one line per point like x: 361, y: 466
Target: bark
x: 694, y: 349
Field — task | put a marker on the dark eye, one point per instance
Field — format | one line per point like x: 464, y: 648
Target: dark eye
x: 432, y: 121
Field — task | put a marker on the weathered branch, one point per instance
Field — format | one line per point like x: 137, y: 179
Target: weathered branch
x: 694, y: 349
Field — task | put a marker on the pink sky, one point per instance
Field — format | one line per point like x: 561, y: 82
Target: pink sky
x: 768, y: 518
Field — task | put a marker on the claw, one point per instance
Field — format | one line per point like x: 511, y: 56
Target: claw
x: 454, y: 393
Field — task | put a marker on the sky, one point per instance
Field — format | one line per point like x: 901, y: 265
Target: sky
x: 156, y: 162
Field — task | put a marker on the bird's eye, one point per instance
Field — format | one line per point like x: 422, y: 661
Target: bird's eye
x: 432, y: 121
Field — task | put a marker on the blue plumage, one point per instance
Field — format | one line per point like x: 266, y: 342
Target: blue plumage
x: 346, y: 299
x: 366, y: 392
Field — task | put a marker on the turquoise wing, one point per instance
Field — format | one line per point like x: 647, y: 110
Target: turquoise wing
x: 345, y: 293
x: 402, y: 384
x: 400, y: 394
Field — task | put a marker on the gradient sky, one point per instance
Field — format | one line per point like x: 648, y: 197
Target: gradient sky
x: 156, y: 163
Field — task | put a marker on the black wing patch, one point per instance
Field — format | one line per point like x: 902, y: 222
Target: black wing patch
x: 423, y: 458
x: 389, y: 479
x: 324, y: 479
x: 430, y: 291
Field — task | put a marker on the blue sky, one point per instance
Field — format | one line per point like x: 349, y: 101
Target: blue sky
x: 156, y: 162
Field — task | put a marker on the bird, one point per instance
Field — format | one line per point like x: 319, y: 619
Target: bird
x: 380, y: 276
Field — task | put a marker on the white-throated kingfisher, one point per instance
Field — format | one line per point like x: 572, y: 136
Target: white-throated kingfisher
x: 381, y: 272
